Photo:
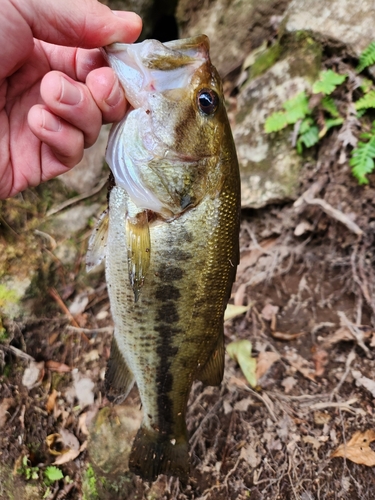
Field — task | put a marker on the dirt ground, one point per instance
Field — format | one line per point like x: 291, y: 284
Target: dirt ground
x: 308, y: 279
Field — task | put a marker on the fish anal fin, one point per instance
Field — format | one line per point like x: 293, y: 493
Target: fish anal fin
x: 153, y: 454
x: 139, y: 250
x: 212, y: 372
x: 118, y: 378
x: 97, y: 243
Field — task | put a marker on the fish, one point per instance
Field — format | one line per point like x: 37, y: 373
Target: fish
x: 169, y: 238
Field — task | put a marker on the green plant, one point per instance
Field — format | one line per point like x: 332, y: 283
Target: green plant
x: 27, y: 470
x: 313, y: 116
x: 52, y: 474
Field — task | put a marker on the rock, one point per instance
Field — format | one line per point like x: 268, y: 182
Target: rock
x: 234, y: 27
x: 12, y: 291
x: 110, y: 440
x: 347, y: 21
x: 154, y: 13
x: 111, y: 437
x: 86, y: 175
x: 71, y: 221
x: 269, y: 165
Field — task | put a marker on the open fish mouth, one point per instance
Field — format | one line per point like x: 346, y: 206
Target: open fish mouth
x: 152, y: 66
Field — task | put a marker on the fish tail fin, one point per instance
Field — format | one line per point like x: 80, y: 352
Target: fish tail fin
x: 151, y: 456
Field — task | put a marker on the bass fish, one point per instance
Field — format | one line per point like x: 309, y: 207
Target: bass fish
x: 169, y: 238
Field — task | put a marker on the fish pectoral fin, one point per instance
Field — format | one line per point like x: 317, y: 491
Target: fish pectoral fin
x: 212, y: 372
x: 150, y: 456
x: 97, y: 243
x: 118, y: 378
x: 139, y: 250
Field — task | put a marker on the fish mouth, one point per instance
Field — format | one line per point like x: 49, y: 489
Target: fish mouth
x: 152, y: 66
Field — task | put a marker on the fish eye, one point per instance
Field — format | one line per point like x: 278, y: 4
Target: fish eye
x: 208, y: 101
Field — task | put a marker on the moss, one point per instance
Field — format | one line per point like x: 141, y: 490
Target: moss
x: 265, y: 60
x: 89, y: 484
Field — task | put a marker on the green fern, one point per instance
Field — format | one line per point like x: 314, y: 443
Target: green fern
x: 367, y: 58
x: 365, y: 85
x: 308, y: 138
x: 367, y: 101
x: 275, y: 122
x: 295, y: 109
x: 327, y: 82
x: 362, y: 158
x: 328, y: 104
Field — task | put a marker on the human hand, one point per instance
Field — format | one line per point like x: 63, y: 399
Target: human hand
x: 54, y: 96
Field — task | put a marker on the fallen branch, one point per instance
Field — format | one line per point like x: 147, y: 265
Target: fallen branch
x: 334, y: 213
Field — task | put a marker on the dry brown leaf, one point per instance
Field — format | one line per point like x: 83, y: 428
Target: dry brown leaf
x: 288, y: 383
x: 300, y: 364
x: 55, y: 366
x: 344, y: 334
x: 269, y: 311
x: 239, y: 296
x: 320, y: 358
x: 250, y: 257
x: 70, y: 455
x: 357, y: 449
x: 265, y: 361
x: 4, y: 407
x: 51, y: 401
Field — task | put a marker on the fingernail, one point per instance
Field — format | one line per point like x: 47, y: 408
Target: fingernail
x: 115, y: 96
x: 50, y: 122
x: 70, y: 94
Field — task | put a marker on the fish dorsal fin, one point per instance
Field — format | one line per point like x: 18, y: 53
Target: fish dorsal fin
x: 118, y: 378
x: 212, y: 372
x: 97, y: 243
x: 139, y: 250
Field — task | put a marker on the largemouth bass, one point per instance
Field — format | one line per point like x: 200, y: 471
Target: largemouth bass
x: 170, y: 239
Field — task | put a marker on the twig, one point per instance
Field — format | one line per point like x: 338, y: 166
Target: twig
x: 264, y: 401
x: 17, y: 352
x: 90, y: 331
x: 343, y: 405
x: 55, y: 295
x: 334, y: 213
x: 355, y: 331
x: 349, y: 361
x: 76, y: 199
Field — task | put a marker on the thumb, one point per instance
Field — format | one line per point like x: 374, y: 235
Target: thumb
x: 86, y: 23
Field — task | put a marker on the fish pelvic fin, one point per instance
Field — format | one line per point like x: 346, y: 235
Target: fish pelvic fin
x: 119, y: 379
x: 212, y: 372
x: 97, y: 243
x: 152, y: 455
x: 139, y: 250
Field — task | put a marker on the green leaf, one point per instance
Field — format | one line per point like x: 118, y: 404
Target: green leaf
x: 327, y: 82
x: 308, y: 138
x: 240, y: 351
x: 329, y: 123
x: 275, y: 122
x: 232, y: 311
x: 366, y: 85
x: 362, y: 160
x: 52, y: 474
x: 367, y: 101
x: 367, y: 58
x: 328, y: 104
x: 297, y: 108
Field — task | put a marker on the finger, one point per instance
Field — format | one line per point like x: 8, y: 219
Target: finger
x: 65, y: 141
x: 73, y: 102
x: 107, y: 93
x: 86, y: 23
